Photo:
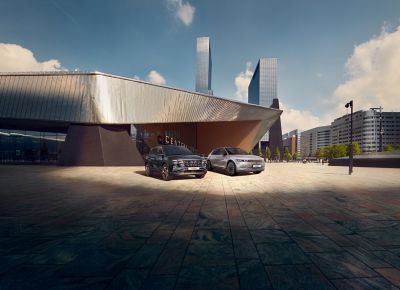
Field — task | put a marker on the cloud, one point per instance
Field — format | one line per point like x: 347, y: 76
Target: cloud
x: 298, y: 119
x: 372, y: 78
x: 136, y: 77
x: 156, y: 78
x: 183, y: 10
x: 242, y: 81
x: 373, y: 74
x: 15, y: 58
x: 319, y: 75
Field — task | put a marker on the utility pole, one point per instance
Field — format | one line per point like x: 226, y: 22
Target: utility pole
x: 350, y: 104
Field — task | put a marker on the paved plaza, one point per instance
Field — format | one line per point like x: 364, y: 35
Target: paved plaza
x: 295, y: 226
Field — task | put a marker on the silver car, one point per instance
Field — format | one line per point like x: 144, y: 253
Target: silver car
x: 234, y: 160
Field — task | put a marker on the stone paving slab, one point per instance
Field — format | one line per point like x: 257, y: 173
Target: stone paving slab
x: 294, y: 226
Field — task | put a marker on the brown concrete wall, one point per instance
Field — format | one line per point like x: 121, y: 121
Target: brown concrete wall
x: 241, y: 134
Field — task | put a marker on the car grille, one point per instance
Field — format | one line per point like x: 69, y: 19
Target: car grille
x: 192, y: 163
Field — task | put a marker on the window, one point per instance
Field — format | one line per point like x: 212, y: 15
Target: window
x: 153, y: 151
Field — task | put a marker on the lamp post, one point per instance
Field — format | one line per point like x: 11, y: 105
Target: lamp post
x: 380, y: 127
x: 350, y: 104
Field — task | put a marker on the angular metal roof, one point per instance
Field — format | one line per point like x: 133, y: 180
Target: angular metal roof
x: 99, y: 98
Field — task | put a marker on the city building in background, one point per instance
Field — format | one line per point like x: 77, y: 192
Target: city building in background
x: 366, y: 126
x: 92, y: 118
x: 291, y: 140
x: 314, y: 139
x: 203, y: 66
x: 263, y: 87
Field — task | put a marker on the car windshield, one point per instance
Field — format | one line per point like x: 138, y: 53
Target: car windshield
x: 236, y: 151
x: 176, y: 150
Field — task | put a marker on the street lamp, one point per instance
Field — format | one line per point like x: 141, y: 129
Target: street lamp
x: 350, y: 104
x: 380, y: 127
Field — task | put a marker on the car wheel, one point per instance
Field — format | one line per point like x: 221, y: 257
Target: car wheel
x: 209, y: 166
x: 257, y: 172
x: 147, y: 169
x: 231, y: 168
x: 165, y: 172
x: 200, y: 175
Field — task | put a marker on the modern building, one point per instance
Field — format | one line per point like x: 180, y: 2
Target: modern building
x: 94, y: 118
x: 263, y: 85
x: 203, y: 66
x: 291, y: 140
x: 366, y: 129
x: 314, y: 139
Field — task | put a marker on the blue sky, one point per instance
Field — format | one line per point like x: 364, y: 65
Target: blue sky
x: 312, y: 39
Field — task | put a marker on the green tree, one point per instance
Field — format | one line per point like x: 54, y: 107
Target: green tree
x: 356, y: 148
x: 286, y: 154
x: 294, y: 157
x: 277, y: 154
x: 320, y: 153
x: 268, y: 153
x: 339, y: 150
x: 397, y: 147
x: 387, y: 148
x: 260, y: 152
x: 328, y: 152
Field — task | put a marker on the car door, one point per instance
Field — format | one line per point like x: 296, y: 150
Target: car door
x: 214, y: 157
x: 159, y: 158
x: 222, y: 158
x: 151, y: 158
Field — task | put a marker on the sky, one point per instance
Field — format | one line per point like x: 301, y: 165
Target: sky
x: 328, y: 51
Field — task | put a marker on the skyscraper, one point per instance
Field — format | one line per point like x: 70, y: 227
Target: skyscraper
x: 204, y: 66
x: 263, y: 85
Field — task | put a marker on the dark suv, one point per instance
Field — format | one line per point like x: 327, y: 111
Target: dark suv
x: 173, y: 160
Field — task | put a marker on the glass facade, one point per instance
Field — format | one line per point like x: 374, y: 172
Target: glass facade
x: 263, y: 85
x: 203, y: 66
x: 147, y: 136
x: 17, y: 146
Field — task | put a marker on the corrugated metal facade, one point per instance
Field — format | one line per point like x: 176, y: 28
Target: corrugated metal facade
x: 97, y: 98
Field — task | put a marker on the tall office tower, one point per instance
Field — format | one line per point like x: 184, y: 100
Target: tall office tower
x: 204, y: 66
x: 263, y: 85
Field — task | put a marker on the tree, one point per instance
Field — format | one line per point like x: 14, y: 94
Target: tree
x: 268, y: 153
x: 260, y: 152
x: 277, y: 154
x: 328, y: 152
x: 294, y: 157
x: 287, y: 155
x: 356, y: 148
x: 339, y: 150
x: 387, y: 148
x: 397, y: 147
x: 320, y: 153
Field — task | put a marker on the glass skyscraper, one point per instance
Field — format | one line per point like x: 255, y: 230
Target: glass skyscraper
x: 263, y: 85
x: 204, y: 66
